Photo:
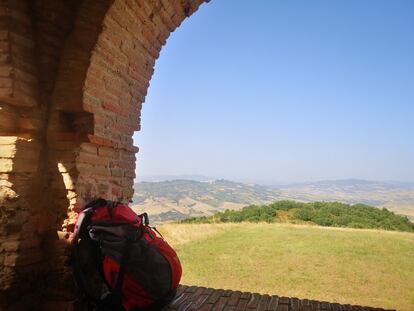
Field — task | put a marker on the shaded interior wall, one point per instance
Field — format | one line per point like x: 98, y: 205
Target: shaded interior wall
x: 73, y: 77
x: 32, y: 37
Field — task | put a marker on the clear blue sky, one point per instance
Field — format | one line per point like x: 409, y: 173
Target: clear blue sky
x: 284, y: 91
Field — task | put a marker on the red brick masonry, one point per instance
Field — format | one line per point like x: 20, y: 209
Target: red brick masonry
x: 201, y: 298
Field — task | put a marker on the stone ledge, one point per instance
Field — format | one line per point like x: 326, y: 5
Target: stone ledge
x: 201, y: 298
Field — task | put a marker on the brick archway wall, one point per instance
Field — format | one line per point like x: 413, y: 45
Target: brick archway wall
x: 73, y: 77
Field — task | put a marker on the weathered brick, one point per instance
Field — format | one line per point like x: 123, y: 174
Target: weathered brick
x: 94, y: 159
x: 23, y: 258
x: 12, y: 165
x: 107, y: 152
x: 92, y: 170
x: 68, y: 181
x: 89, y: 148
x: 16, y: 245
x: 8, y: 140
x: 117, y: 172
x: 101, y: 141
x: 7, y: 151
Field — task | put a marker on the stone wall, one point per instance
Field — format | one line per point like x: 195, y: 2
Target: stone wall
x: 73, y: 77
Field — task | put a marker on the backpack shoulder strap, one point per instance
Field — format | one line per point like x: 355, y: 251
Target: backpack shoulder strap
x: 96, y: 203
x: 81, y: 232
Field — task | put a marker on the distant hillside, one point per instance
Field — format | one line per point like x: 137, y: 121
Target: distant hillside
x: 180, y: 199
x: 160, y: 178
x: 396, y: 196
x: 329, y: 214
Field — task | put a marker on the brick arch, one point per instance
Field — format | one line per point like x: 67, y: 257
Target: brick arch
x: 115, y: 87
x: 73, y: 77
x: 102, y: 104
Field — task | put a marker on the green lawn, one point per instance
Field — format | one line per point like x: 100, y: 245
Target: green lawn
x: 374, y: 268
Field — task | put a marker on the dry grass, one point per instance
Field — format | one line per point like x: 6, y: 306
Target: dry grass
x: 181, y: 234
x: 366, y: 267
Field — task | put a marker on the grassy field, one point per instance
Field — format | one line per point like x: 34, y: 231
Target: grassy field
x: 365, y: 267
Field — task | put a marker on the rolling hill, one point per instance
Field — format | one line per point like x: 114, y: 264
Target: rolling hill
x: 179, y: 199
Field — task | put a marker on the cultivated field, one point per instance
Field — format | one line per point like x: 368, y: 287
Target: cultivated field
x: 365, y: 267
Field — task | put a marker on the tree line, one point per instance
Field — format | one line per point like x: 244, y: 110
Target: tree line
x: 332, y: 214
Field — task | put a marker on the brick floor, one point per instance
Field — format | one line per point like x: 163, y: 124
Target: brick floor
x: 204, y: 299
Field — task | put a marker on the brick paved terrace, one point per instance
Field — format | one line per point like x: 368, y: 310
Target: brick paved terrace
x: 205, y: 299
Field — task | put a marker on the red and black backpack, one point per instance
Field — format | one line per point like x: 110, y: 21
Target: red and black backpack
x: 119, y: 262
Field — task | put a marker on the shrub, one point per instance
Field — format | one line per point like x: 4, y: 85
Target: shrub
x: 321, y: 213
